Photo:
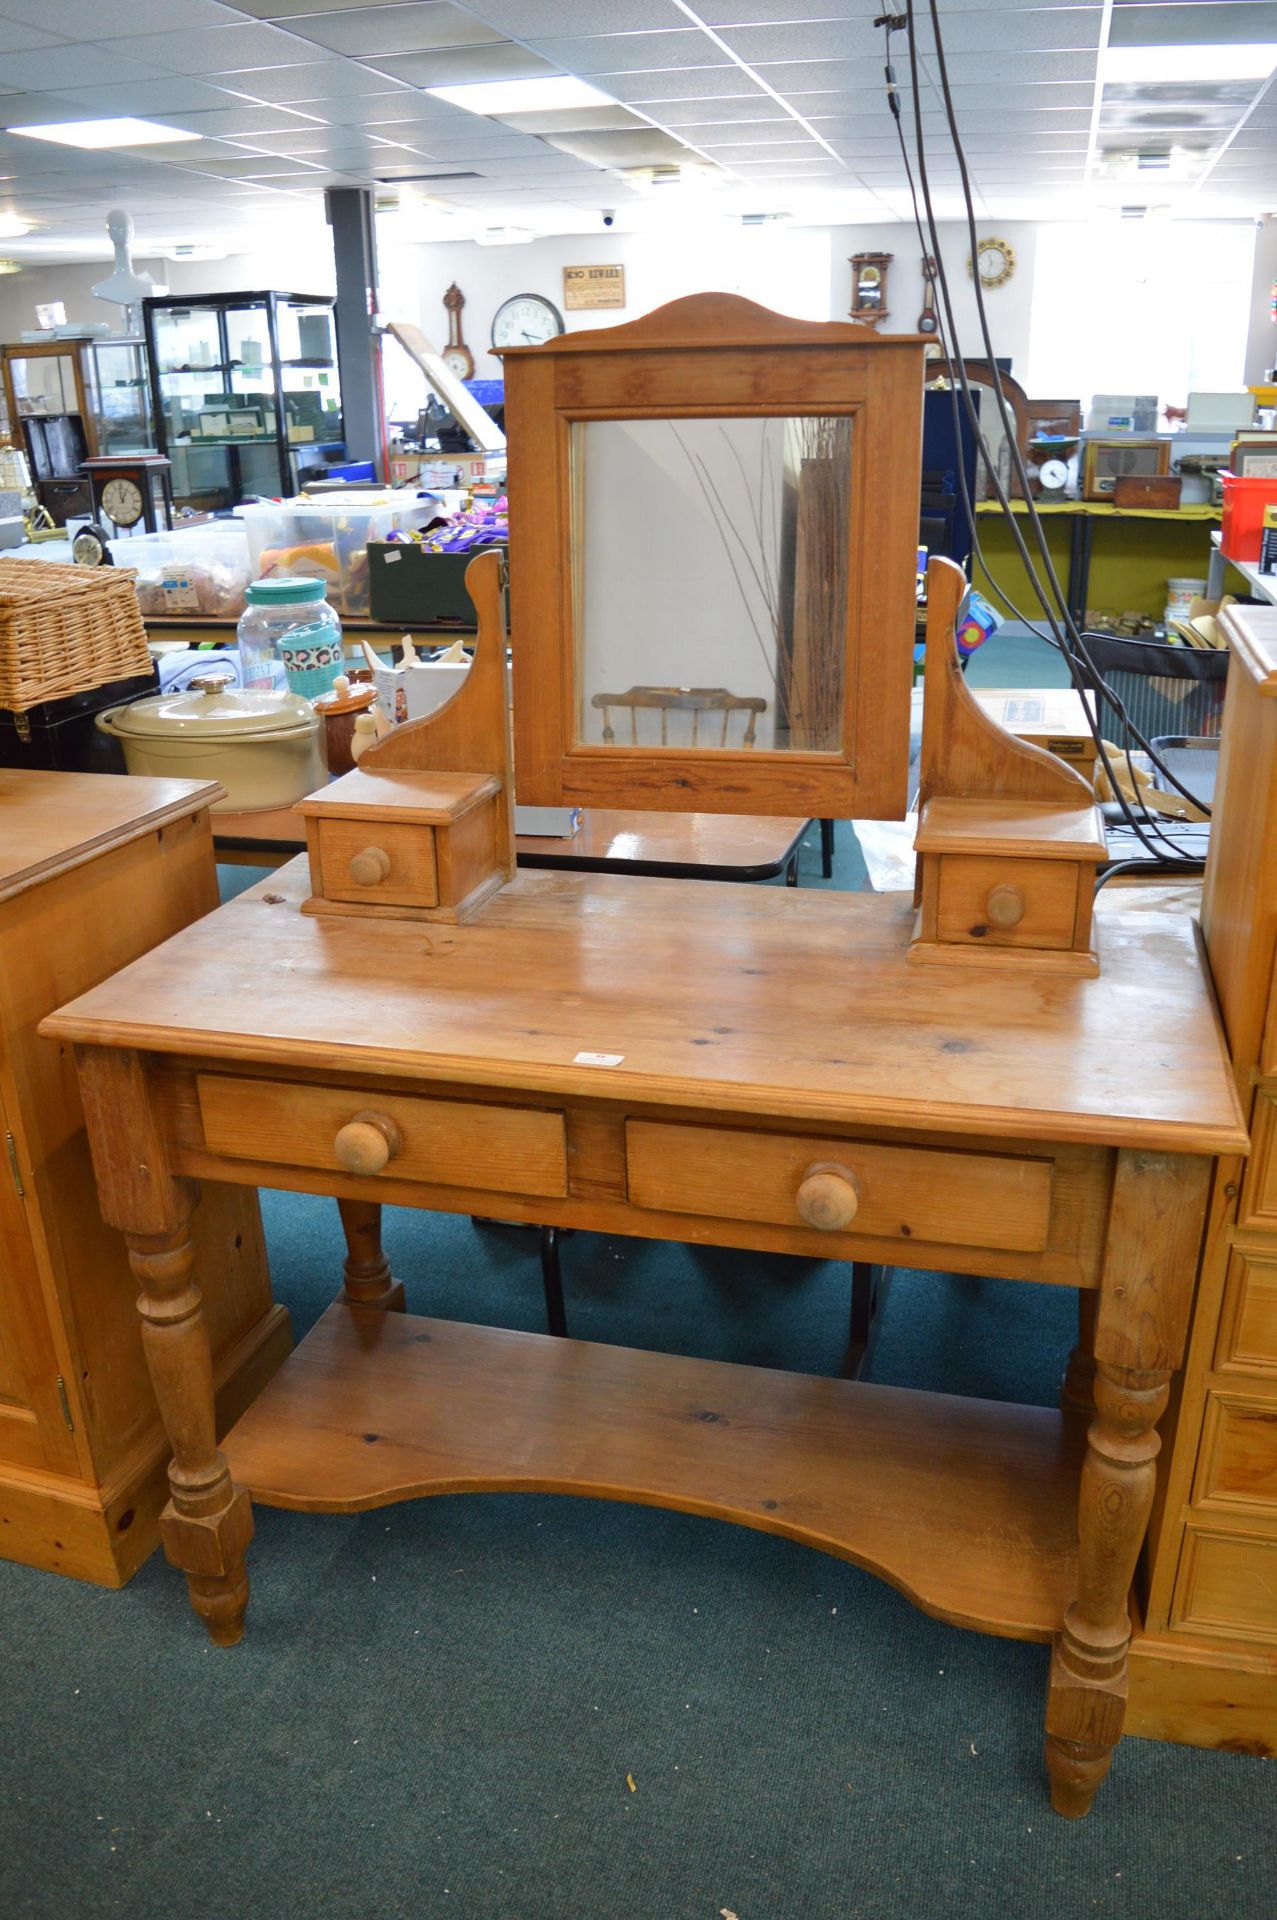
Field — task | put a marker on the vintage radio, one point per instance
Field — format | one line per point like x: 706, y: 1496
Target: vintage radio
x: 1103, y: 461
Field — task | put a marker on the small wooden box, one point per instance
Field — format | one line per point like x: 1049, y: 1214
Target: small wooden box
x: 1147, y: 490
x: 405, y: 845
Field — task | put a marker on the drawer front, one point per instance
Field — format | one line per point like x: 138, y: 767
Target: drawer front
x: 978, y: 896
x: 450, y: 1143
x: 384, y: 863
x: 1227, y: 1585
x: 1258, y: 1207
x: 1238, y: 1465
x: 918, y: 1193
x: 1248, y: 1325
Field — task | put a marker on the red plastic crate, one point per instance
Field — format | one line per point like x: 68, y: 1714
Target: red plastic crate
x: 1245, y: 498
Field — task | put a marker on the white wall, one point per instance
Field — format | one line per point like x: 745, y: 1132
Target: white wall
x: 306, y: 269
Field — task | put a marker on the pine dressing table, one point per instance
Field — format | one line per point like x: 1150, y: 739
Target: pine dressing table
x: 975, y: 1082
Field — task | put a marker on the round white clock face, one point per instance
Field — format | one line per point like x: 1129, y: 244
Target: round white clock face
x: 458, y: 361
x: 122, y: 501
x: 526, y: 320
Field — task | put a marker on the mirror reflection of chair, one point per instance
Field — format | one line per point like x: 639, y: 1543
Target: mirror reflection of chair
x: 690, y: 700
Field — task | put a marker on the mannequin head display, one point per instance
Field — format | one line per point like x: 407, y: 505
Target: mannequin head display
x: 126, y: 288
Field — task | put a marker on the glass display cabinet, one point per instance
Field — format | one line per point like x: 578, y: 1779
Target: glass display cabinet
x: 245, y: 391
x: 71, y: 401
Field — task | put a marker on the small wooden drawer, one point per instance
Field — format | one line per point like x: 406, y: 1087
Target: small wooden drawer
x: 380, y: 862
x: 1259, y: 1188
x: 1248, y: 1324
x: 1007, y: 903
x: 449, y: 1143
x: 1237, y: 1469
x: 1227, y: 1585
x: 905, y: 1193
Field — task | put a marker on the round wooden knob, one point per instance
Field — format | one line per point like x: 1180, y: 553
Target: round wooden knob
x: 1004, y: 907
x: 369, y: 868
x: 829, y: 1196
x: 367, y: 1143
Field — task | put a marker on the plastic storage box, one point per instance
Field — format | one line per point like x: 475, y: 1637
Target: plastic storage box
x: 1242, y: 529
x: 412, y: 587
x: 201, y: 571
x: 327, y: 539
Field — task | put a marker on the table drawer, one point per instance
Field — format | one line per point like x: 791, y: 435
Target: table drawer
x: 450, y: 1143
x: 1238, y: 1465
x: 900, y: 1192
x: 1006, y: 903
x: 1227, y: 1585
x: 1248, y: 1324
x: 379, y: 862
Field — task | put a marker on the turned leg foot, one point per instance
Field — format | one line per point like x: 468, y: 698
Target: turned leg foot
x: 1086, y: 1698
x: 366, y: 1270
x: 208, y: 1523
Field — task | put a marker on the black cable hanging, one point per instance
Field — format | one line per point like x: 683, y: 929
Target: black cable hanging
x: 1064, y: 634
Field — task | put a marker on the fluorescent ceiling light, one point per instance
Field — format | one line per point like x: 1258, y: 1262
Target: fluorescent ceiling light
x: 503, y: 236
x: 1146, y: 65
x: 12, y: 228
x: 105, y: 133
x: 551, y: 95
x: 10, y: 266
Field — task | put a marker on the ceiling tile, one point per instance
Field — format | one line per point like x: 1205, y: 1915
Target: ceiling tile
x: 152, y: 99
x: 743, y: 110
x: 75, y: 65
x: 217, y: 49
x: 312, y: 80
x: 631, y: 52
x: 458, y: 66
x: 106, y: 18
x: 284, y: 10
x: 396, y: 29
x: 1231, y: 22
x: 531, y: 19
x: 17, y: 37
x: 691, y: 83
x: 244, y: 118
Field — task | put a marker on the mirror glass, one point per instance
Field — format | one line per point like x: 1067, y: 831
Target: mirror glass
x: 711, y: 582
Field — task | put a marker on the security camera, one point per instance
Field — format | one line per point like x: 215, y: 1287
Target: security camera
x: 609, y: 219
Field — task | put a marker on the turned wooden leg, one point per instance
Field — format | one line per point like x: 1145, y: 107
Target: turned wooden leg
x: 1077, y: 1394
x: 208, y: 1523
x: 1086, y: 1702
x: 369, y: 1281
x: 1139, y: 1322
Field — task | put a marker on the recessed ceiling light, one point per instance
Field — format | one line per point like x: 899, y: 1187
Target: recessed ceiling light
x: 551, y: 95
x: 503, y: 236
x: 12, y: 228
x: 105, y: 133
x: 1151, y: 64
x: 10, y: 266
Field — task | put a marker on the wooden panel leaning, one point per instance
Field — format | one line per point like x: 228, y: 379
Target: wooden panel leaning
x: 423, y: 829
x: 1009, y: 836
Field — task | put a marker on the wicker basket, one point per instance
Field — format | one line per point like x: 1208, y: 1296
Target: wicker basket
x: 66, y: 629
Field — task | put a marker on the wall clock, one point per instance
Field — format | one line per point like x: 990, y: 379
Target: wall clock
x: 869, y: 287
x: 457, y: 356
x: 526, y: 320
x: 928, y: 319
x: 995, y: 261
x: 131, y: 491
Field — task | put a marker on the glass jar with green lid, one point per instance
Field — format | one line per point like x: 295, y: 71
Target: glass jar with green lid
x: 289, y: 636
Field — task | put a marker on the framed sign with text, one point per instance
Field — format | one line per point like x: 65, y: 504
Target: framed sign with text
x: 593, y: 287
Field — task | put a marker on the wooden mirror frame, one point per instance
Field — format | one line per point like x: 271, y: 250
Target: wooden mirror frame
x: 714, y: 355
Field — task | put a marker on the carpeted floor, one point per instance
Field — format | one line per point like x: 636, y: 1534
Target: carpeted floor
x: 439, y: 1708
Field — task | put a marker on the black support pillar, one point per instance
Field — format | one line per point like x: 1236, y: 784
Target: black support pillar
x: 350, y: 215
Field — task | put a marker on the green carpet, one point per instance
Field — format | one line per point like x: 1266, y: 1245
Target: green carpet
x: 436, y: 1707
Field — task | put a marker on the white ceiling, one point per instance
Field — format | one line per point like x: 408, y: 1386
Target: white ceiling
x: 781, y: 101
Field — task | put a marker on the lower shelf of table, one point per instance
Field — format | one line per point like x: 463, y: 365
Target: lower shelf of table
x: 969, y: 1507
